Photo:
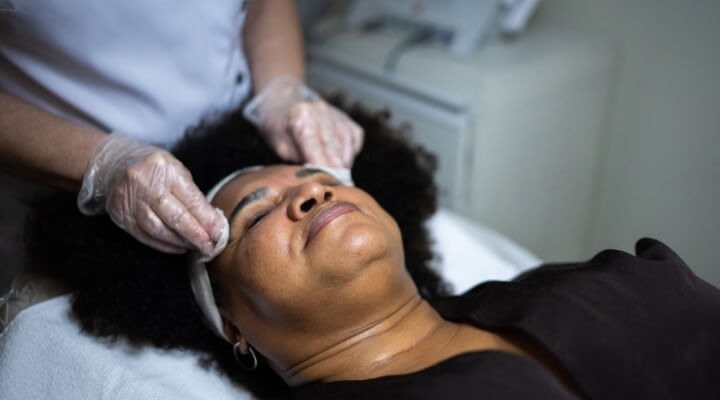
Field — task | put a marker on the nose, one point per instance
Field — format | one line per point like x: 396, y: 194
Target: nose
x: 308, y: 196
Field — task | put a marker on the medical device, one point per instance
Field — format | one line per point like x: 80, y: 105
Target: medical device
x: 461, y: 25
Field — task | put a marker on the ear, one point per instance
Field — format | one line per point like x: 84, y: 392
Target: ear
x: 233, y: 333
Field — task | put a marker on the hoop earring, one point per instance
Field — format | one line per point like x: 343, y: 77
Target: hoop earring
x: 242, y: 359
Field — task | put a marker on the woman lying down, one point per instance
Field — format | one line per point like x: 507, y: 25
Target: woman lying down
x: 324, y: 290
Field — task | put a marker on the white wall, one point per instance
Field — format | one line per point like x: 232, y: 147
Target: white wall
x: 662, y: 175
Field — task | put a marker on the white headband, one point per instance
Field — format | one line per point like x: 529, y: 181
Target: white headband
x: 199, y: 278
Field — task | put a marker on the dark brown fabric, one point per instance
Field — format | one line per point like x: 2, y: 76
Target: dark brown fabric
x: 622, y: 326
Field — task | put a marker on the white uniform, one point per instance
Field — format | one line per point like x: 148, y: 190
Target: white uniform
x: 148, y: 69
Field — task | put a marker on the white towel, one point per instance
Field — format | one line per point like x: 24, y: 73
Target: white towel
x: 43, y: 355
x: 471, y: 253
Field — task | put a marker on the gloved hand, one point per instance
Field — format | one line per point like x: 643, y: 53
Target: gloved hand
x: 151, y: 195
x: 300, y: 126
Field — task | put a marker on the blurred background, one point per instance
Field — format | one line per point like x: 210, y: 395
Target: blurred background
x: 569, y: 125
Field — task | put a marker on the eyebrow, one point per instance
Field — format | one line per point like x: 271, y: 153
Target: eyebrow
x: 254, y: 196
x: 301, y: 173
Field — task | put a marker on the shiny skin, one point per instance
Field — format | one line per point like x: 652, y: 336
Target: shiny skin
x: 275, y: 291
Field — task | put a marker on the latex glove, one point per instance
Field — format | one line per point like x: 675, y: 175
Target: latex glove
x: 301, y: 126
x: 151, y: 195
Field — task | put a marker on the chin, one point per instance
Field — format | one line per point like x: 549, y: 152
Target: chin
x: 357, y: 247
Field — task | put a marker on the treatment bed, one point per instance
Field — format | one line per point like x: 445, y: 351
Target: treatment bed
x: 44, y: 354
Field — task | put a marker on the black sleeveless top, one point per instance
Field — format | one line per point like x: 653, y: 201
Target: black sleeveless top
x: 621, y: 326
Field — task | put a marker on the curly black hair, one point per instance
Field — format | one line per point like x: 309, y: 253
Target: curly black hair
x: 123, y: 289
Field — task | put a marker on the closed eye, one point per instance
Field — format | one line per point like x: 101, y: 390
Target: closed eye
x: 257, y: 218
x: 332, y: 181
x: 325, y: 179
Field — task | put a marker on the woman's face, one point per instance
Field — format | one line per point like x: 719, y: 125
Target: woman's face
x: 306, y: 256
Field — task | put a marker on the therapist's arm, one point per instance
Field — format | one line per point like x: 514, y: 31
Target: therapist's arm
x: 39, y: 145
x: 146, y: 191
x: 310, y: 131
x: 272, y: 41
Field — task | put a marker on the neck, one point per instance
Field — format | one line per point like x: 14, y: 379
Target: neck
x: 410, y: 338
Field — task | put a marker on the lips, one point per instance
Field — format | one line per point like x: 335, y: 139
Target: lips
x: 327, y: 215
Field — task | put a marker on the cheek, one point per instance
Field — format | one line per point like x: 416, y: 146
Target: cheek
x: 269, y: 271
x: 385, y: 219
x: 395, y: 244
